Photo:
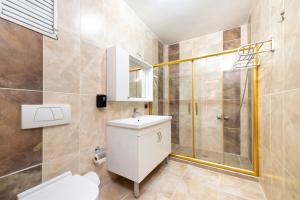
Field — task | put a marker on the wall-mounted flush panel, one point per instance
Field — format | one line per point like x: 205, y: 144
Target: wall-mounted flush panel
x: 35, y: 116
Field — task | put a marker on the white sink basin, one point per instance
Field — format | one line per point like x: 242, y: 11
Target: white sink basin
x: 139, y: 122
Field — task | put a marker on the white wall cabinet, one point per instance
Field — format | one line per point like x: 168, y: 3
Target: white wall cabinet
x: 128, y: 78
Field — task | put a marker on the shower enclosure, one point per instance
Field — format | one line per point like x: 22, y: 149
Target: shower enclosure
x: 214, y: 110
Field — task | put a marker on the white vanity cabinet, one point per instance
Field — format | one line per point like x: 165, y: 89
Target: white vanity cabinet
x: 128, y: 78
x: 134, y: 152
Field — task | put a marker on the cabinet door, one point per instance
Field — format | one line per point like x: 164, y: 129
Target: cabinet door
x: 154, y: 146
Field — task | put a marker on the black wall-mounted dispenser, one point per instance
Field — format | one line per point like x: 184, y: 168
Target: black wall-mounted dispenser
x: 101, y: 100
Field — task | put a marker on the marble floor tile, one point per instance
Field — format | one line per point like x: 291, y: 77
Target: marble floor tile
x: 177, y: 181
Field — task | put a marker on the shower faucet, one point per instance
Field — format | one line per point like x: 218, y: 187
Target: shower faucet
x: 219, y: 117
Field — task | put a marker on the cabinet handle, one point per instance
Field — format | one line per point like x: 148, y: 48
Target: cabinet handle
x: 159, y: 136
x: 189, y: 108
x: 196, y: 108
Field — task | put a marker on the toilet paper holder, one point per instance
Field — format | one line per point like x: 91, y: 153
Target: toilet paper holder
x: 100, y: 155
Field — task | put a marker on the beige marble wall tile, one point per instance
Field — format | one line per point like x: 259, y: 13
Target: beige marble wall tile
x: 60, y: 165
x: 277, y: 180
x: 292, y: 62
x: 279, y: 118
x: 86, y: 164
x: 93, y: 27
x: 62, y: 140
x: 291, y: 138
x: 69, y: 16
x: 276, y: 130
x: 93, y: 70
x: 62, y: 63
x: 91, y: 124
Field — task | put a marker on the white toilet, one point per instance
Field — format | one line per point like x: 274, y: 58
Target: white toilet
x: 65, y: 186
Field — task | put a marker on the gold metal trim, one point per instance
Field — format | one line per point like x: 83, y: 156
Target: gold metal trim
x: 255, y: 85
x: 223, y: 125
x: 193, y: 109
x: 216, y: 165
x: 256, y: 116
x: 196, y: 58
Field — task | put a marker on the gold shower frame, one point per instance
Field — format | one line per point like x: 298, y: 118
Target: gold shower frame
x: 254, y: 74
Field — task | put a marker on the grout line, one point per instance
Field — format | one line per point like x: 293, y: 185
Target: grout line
x: 281, y: 92
x: 49, y: 91
x: 33, y: 166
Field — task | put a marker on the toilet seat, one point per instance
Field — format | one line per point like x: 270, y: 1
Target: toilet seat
x: 65, y: 186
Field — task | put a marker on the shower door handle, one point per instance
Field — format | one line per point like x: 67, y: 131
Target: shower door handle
x: 226, y: 117
x: 220, y: 116
x: 189, y: 108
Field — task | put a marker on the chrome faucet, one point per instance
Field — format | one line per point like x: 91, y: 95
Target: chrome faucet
x: 135, y: 113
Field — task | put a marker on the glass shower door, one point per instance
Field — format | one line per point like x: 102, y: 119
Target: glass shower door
x: 181, y: 108
x: 212, y: 106
x: 208, y: 91
x: 223, y: 126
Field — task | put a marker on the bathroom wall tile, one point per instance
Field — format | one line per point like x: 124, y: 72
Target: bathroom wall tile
x: 209, y: 138
x: 291, y: 26
x: 232, y: 38
x: 26, y: 179
x: 277, y: 57
x: 232, y: 34
x: 69, y: 16
x: 276, y: 130
x: 265, y: 78
x: 266, y: 172
x: 292, y: 62
x: 291, y: 126
x: 55, y: 138
x: 232, y: 141
x: 278, y: 117
x: 93, y: 72
x: 19, y: 149
x: 93, y: 18
x: 232, y: 84
x: 160, y: 81
x: 186, y: 49
x: 86, y: 164
x: 291, y: 188
x: 232, y: 110
x: 208, y: 44
x: 265, y: 129
x: 91, y: 125
x: 173, y: 54
x: 233, y: 44
x: 174, y: 49
x: 277, y: 180
x: 25, y: 72
x: 62, y: 63
x: 60, y: 165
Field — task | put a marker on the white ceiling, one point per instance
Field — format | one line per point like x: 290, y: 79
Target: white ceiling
x: 177, y: 20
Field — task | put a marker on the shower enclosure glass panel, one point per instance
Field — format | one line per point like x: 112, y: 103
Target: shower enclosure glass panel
x: 208, y: 100
x: 212, y: 107
x: 173, y: 96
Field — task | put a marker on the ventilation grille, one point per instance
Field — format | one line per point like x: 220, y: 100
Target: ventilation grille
x: 37, y: 15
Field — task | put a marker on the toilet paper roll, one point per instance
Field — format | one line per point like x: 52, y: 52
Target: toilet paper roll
x: 98, y: 160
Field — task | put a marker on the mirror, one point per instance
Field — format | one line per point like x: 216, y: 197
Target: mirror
x: 137, y: 78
